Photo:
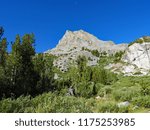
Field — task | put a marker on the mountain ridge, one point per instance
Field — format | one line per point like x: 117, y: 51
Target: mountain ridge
x: 81, y: 43
x: 79, y: 39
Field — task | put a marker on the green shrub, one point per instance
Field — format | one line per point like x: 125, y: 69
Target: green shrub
x: 86, y: 89
x: 145, y: 90
x: 142, y: 101
x: 95, y: 53
x: 107, y: 107
x: 124, y: 82
x: 146, y: 39
x: 63, y: 104
x: 18, y: 105
x: 137, y: 41
x: 138, y: 73
x: 105, y: 90
x: 125, y: 94
x: 118, y: 56
x: 103, y: 76
x: 45, y: 103
x: 6, y: 106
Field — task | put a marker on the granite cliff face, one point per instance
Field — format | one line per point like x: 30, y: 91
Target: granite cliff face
x: 75, y: 41
x: 81, y: 43
x: 134, y: 61
x: 139, y: 55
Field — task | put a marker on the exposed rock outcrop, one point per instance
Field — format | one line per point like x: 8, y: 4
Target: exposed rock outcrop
x: 139, y: 55
x: 135, y: 60
x: 75, y: 41
x: 81, y: 43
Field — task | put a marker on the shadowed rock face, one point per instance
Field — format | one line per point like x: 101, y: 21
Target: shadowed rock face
x: 71, y: 46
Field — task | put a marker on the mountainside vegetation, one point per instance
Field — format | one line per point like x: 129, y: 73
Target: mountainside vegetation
x: 30, y: 83
x: 141, y: 40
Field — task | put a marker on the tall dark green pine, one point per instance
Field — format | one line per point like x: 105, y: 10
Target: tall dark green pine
x: 13, y: 67
x: 1, y: 32
x: 28, y: 76
x: 16, y: 59
x: 3, y: 57
x: 81, y: 65
x: 43, y: 65
x: 3, y: 51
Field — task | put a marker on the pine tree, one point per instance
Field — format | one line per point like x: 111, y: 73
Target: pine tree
x: 43, y: 65
x: 1, y: 32
x: 3, y: 56
x: 20, y: 69
x: 81, y: 65
x: 3, y: 51
x: 28, y: 76
x: 13, y: 65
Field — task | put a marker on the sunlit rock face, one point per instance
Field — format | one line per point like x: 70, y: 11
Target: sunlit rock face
x: 139, y: 55
x: 136, y: 59
x: 81, y: 43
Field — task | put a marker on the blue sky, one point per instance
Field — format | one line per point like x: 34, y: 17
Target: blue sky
x: 116, y: 20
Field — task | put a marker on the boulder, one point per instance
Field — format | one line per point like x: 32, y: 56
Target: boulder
x: 123, y: 104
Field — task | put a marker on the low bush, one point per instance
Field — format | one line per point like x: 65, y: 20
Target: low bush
x: 125, y: 94
x: 111, y: 107
x: 142, y: 101
x: 85, y: 89
x: 18, y: 105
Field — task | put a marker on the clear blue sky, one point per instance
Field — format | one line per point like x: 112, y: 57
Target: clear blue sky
x: 116, y: 20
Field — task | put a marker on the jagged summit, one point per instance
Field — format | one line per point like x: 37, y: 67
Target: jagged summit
x: 76, y: 40
x: 135, y: 58
x: 81, y: 43
x: 73, y: 40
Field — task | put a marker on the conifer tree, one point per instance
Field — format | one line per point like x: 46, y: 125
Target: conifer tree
x: 3, y: 56
x: 43, y: 65
x: 20, y: 68
x: 1, y: 32
x: 14, y: 64
x: 3, y: 51
x: 28, y: 76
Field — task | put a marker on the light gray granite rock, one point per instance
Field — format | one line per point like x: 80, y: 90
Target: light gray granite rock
x: 123, y: 104
x: 81, y: 43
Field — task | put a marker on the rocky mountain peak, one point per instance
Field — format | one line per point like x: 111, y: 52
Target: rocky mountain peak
x: 135, y: 58
x: 78, y: 39
x: 81, y: 43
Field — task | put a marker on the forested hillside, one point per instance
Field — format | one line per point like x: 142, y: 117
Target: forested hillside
x: 29, y: 82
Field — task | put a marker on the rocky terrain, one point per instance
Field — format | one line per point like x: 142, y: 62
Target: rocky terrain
x: 136, y: 58
x: 134, y: 61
